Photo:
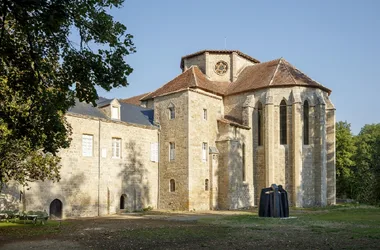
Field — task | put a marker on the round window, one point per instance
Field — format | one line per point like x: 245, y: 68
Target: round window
x: 221, y: 67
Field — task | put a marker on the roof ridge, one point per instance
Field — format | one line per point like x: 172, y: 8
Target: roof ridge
x: 291, y: 75
x: 195, y: 77
x: 275, y: 72
x: 291, y: 65
x: 162, y: 86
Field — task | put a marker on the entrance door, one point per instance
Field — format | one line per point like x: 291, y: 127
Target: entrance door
x: 122, y: 201
x: 56, y: 209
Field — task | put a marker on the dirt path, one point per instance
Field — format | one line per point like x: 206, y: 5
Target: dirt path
x: 176, y: 231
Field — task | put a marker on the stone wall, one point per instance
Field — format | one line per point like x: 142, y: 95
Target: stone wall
x: 201, y: 131
x: 304, y: 179
x: 173, y: 130
x: 199, y: 61
x: 92, y: 185
x: 206, y: 63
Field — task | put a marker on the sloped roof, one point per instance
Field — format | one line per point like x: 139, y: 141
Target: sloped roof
x: 218, y: 52
x: 101, y: 102
x: 135, y: 114
x: 83, y: 108
x: 232, y: 121
x: 274, y: 73
x: 135, y: 100
x: 128, y: 112
x: 191, y: 78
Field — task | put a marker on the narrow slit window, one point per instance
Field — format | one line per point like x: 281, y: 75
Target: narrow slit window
x: 172, y: 185
x: 171, y: 113
x: 204, y: 152
x: 206, y: 185
x: 283, y: 123
x: 260, y: 127
x: 243, y: 162
x: 306, y: 123
x: 171, y: 151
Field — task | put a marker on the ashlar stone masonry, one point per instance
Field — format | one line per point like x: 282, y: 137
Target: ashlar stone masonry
x: 211, y: 138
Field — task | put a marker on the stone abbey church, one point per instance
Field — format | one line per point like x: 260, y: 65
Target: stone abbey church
x: 211, y: 138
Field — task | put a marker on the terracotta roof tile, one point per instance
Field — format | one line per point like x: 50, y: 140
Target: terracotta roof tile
x: 233, y: 121
x: 183, y: 81
x: 254, y: 77
x: 274, y: 73
x: 135, y: 100
x: 204, y: 83
x: 191, y: 78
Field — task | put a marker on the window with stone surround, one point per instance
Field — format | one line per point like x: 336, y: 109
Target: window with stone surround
x: 87, y: 145
x: 171, y: 110
x: 260, y: 127
x: 206, y: 185
x: 171, y: 151
x: 172, y: 185
x: 283, y: 123
x: 306, y: 123
x: 205, y: 114
x: 116, y: 147
x: 204, y: 151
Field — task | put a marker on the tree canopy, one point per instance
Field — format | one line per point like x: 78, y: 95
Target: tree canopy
x: 345, y: 151
x: 358, y: 163
x: 43, y: 69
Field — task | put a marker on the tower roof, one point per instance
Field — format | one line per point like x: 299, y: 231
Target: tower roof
x: 272, y: 74
x: 218, y: 52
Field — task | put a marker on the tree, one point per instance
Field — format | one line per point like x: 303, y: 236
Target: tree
x: 367, y: 171
x: 42, y: 71
x: 345, y: 151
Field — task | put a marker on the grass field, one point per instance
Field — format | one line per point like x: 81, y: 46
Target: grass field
x: 337, y: 227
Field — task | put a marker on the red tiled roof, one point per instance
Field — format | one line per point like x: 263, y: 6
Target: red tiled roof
x: 191, y: 78
x: 233, y: 121
x: 275, y: 73
x: 218, y: 52
x: 135, y: 100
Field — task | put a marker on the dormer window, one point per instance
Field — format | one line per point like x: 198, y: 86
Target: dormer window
x: 115, y: 112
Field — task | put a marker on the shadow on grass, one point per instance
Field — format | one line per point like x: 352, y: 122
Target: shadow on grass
x: 341, y: 221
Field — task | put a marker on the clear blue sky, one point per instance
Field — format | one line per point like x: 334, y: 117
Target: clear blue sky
x: 336, y: 43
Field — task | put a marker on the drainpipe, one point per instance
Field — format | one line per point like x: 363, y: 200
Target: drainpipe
x: 99, y: 169
x: 158, y: 168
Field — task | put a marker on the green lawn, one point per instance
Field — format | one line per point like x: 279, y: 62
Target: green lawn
x: 19, y: 229
x: 352, y: 221
x: 337, y: 227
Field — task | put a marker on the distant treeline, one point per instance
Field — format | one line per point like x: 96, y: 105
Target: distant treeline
x: 358, y: 163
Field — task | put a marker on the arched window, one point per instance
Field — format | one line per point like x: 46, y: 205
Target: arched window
x: 306, y: 123
x: 260, y: 127
x: 206, y: 185
x: 171, y: 111
x: 172, y: 185
x: 283, y: 123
